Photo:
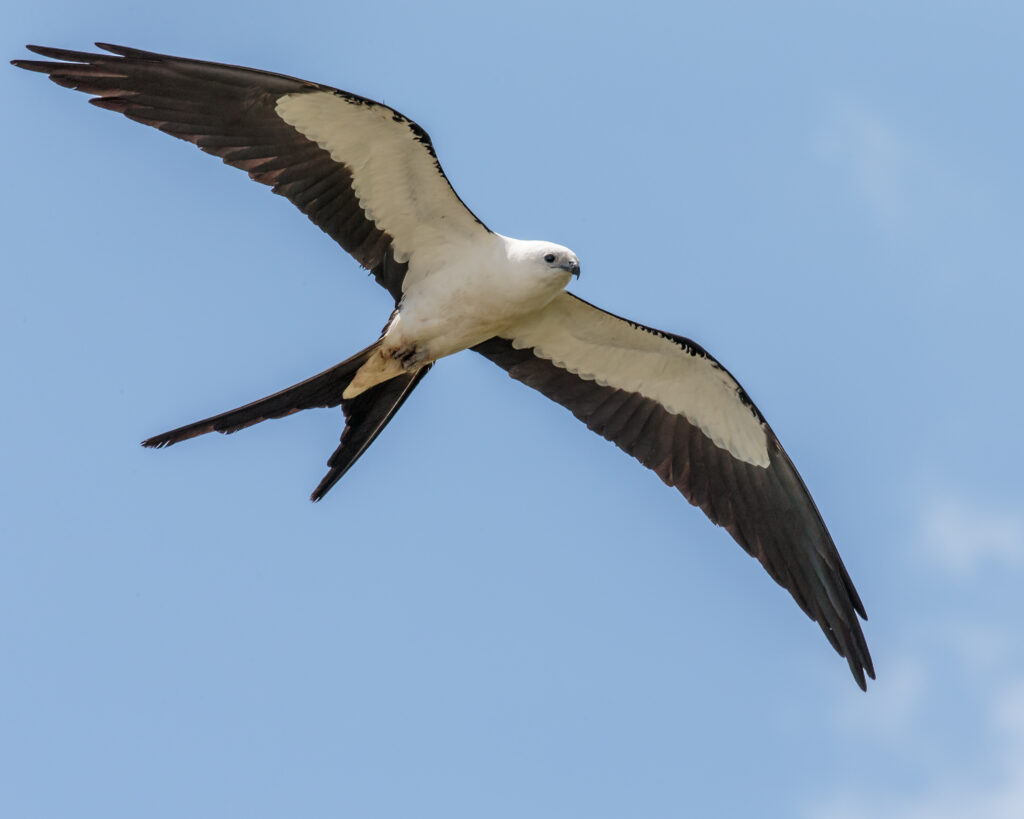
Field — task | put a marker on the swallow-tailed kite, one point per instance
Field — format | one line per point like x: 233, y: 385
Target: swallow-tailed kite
x: 369, y: 178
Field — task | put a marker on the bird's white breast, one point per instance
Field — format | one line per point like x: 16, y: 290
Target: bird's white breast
x: 482, y: 290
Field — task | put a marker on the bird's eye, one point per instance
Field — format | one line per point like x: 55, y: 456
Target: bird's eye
x: 549, y: 258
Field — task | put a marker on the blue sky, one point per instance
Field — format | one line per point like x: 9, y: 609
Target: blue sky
x: 496, y: 613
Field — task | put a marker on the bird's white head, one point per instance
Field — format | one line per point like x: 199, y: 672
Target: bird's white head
x: 548, y: 258
x: 535, y: 273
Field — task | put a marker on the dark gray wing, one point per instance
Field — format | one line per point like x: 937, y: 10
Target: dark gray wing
x: 353, y: 166
x: 665, y: 401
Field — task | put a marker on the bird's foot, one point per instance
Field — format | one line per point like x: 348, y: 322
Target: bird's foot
x: 411, y: 358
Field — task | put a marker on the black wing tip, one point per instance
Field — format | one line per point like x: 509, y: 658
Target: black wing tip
x: 120, y: 50
x: 325, y: 485
x: 158, y: 441
x: 68, y: 56
x: 854, y: 648
x: 858, y: 606
x: 65, y: 56
x: 61, y: 53
x: 862, y: 669
x: 34, y: 65
x: 174, y: 436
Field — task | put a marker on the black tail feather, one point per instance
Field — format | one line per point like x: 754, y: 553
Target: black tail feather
x: 323, y: 390
x: 366, y: 416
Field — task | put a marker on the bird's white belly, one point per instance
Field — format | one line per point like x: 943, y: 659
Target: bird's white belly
x: 439, y: 318
x: 442, y: 318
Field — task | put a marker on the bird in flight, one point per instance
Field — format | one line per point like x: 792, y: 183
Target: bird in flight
x: 368, y: 177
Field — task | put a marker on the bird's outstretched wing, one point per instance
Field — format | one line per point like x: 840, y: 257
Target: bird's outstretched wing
x: 361, y: 171
x: 670, y: 405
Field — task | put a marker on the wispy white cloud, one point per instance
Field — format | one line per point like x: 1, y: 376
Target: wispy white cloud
x: 917, y: 182
x: 949, y: 712
x: 878, y: 158
x: 892, y: 713
x: 980, y: 650
x: 960, y: 535
x: 992, y: 791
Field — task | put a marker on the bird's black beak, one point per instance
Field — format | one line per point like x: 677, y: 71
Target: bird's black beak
x: 573, y: 268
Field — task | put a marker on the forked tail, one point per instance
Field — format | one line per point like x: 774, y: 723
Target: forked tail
x: 366, y: 414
